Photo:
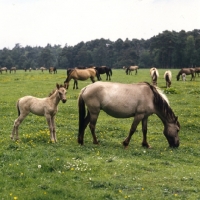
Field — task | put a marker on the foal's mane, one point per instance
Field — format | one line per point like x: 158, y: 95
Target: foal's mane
x: 161, y: 104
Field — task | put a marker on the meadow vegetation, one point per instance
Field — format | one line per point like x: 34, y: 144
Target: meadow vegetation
x: 34, y: 168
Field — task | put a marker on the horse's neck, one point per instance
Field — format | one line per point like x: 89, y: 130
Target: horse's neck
x: 55, y: 98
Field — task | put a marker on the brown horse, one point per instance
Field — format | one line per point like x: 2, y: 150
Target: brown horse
x: 80, y: 74
x: 42, y: 107
x: 3, y: 69
x: 123, y: 101
x: 168, y: 78
x: 154, y: 75
x: 197, y: 71
x: 187, y: 71
x: 130, y: 69
x: 13, y: 69
x: 52, y: 70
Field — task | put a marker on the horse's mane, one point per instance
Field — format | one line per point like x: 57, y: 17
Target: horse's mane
x: 161, y: 102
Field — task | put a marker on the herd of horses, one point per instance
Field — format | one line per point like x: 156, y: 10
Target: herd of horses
x: 116, y: 99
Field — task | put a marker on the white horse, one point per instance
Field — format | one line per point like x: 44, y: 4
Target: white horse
x: 40, y: 106
x: 168, y: 78
x: 154, y: 75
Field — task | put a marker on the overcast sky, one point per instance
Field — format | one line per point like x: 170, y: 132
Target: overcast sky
x: 39, y: 22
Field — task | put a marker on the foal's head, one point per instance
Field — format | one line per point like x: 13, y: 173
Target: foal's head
x: 62, y: 92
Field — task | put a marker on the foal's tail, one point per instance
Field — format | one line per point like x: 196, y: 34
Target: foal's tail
x: 18, y: 108
x: 81, y: 109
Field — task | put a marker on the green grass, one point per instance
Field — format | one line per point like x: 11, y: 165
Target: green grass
x: 34, y: 168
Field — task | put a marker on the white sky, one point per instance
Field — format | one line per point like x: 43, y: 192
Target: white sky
x: 39, y: 22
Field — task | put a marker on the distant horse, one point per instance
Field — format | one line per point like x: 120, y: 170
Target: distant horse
x: 40, y: 106
x: 13, y: 69
x: 187, y: 71
x: 53, y: 69
x: 168, y: 78
x: 3, y: 69
x: 154, y: 75
x: 130, y: 69
x: 197, y: 71
x: 43, y: 68
x: 80, y: 74
x: 103, y: 70
x: 124, y: 101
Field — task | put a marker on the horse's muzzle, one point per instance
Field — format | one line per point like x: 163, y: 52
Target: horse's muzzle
x: 64, y: 100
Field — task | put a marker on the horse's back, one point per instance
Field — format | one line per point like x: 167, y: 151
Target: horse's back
x: 117, y: 99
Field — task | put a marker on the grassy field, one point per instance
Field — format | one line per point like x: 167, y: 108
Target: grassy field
x: 35, y: 168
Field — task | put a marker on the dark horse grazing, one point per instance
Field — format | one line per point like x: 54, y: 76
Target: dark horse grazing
x: 52, y: 69
x: 130, y: 69
x: 187, y: 71
x: 103, y: 70
x: 40, y: 106
x: 80, y: 74
x: 123, y: 101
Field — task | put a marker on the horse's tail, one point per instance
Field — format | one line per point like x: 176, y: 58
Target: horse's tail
x: 82, y: 112
x: 18, y: 110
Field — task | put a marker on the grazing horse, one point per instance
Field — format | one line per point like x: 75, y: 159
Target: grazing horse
x: 154, y: 75
x: 168, y: 78
x: 130, y: 69
x: 80, y: 74
x: 53, y: 69
x: 103, y: 70
x: 3, y: 69
x: 40, y: 106
x: 197, y: 71
x: 187, y: 71
x: 13, y: 69
x: 43, y: 68
x: 124, y: 101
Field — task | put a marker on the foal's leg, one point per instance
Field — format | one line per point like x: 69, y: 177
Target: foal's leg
x: 134, y: 125
x: 49, y: 122
x: 17, y: 122
x: 144, y: 130
x: 54, y: 128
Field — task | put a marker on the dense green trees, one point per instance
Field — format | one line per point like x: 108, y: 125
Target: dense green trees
x: 169, y: 49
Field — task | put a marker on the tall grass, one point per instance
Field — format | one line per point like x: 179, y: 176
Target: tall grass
x: 34, y: 168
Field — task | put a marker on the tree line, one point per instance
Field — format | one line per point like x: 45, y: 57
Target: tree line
x: 168, y: 49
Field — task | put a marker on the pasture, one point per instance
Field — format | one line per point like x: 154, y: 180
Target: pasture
x: 34, y: 168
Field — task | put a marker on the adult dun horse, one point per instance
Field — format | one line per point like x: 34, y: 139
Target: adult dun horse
x: 130, y: 69
x: 168, y: 78
x: 13, y: 69
x: 154, y: 75
x: 80, y: 74
x: 187, y: 71
x: 47, y: 107
x: 104, y: 70
x: 52, y: 70
x: 123, y: 101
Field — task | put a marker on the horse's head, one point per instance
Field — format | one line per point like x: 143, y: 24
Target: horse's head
x: 171, y: 133
x: 62, y: 92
